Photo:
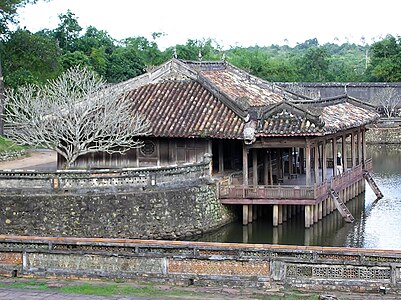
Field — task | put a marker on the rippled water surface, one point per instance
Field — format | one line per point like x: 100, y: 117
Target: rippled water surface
x: 377, y: 223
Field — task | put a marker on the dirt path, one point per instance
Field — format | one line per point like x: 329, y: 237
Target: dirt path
x: 36, y: 160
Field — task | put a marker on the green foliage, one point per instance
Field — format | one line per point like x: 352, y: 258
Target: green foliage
x: 67, y: 31
x: 124, y: 63
x: 385, y: 62
x: 76, y: 58
x: 29, y: 58
x: 8, y: 13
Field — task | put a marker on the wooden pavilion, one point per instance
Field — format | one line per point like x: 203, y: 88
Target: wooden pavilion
x: 269, y: 146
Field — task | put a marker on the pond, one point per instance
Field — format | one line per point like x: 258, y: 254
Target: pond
x: 377, y: 223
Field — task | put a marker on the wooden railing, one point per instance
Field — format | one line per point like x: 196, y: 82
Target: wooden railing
x: 291, y: 192
x: 273, y: 192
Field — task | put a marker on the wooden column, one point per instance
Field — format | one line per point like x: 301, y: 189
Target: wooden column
x: 244, y: 214
x: 324, y: 160
x: 307, y: 216
x: 315, y: 213
x: 334, y: 156
x: 290, y: 162
x: 359, y: 145
x: 308, y: 167
x: 280, y: 214
x: 270, y: 168
x: 275, y: 215
x: 316, y: 163
x: 344, y: 152
x: 255, y: 166
x: 250, y: 213
x: 320, y: 207
x: 353, y: 150
x: 245, y: 165
x: 285, y: 213
x: 301, y: 160
x: 363, y: 146
x: 265, y: 168
x: 221, y: 157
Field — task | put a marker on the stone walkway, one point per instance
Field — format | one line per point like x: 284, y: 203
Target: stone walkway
x: 19, y: 294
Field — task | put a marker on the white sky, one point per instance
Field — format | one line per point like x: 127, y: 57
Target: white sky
x: 230, y: 23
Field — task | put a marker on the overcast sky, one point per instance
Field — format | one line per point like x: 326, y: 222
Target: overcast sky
x: 230, y: 23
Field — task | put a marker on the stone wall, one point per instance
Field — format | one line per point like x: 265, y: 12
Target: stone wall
x: 366, y: 91
x: 216, y: 264
x: 156, y: 213
x: 384, y: 135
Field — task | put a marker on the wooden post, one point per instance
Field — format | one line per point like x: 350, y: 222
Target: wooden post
x: 320, y: 213
x: 244, y: 214
x: 250, y: 213
x: 353, y: 150
x: 285, y: 213
x: 270, y: 168
x: 221, y: 158
x: 255, y: 166
x: 364, y: 146
x: 254, y: 212
x: 316, y: 163
x: 290, y: 161
x: 275, y: 215
x: 308, y: 169
x: 334, y: 156
x: 359, y: 145
x: 315, y: 213
x: 266, y: 168
x: 245, y: 165
x: 324, y: 208
x: 280, y: 214
x: 307, y: 216
x: 324, y: 160
x: 344, y: 152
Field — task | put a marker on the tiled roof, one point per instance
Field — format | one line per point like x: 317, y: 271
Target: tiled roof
x: 185, y: 109
x: 216, y: 99
x: 315, y: 117
x: 242, y: 88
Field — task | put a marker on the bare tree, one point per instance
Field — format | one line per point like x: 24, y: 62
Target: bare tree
x: 388, y: 99
x: 74, y: 115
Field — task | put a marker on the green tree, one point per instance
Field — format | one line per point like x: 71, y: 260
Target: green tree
x: 76, y: 58
x: 67, y: 31
x: 385, y: 60
x: 31, y: 58
x: 314, y: 64
x: 124, y: 63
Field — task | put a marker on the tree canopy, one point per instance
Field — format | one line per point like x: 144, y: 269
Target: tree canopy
x: 56, y: 50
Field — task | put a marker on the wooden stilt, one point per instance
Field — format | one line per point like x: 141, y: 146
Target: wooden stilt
x: 244, y: 214
x: 275, y: 215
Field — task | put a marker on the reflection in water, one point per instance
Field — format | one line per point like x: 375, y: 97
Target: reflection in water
x: 376, y: 222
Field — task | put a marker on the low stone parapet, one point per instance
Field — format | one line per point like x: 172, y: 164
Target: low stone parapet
x: 316, y: 268
x: 105, y: 179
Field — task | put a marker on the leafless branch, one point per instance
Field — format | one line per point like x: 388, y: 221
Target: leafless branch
x: 75, y: 114
x: 388, y: 99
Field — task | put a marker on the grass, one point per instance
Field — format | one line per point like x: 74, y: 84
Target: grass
x: 141, y: 289
x: 9, y: 146
x: 98, y: 289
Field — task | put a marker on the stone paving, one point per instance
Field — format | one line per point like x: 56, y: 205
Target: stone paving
x: 20, y: 294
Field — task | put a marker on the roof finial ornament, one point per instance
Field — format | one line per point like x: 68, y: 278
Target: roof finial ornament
x: 200, y: 55
x: 223, y: 57
x: 175, y: 52
x: 345, y: 89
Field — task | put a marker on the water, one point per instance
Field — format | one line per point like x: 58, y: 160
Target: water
x: 377, y: 223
